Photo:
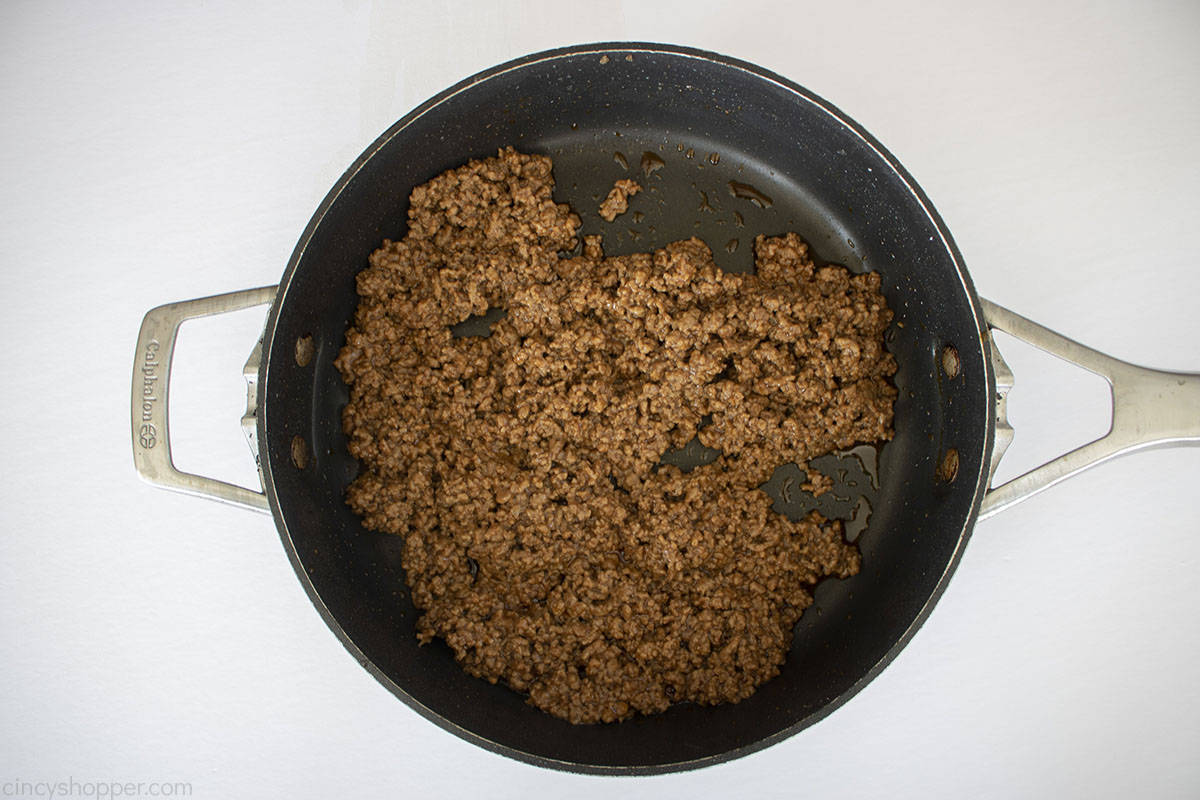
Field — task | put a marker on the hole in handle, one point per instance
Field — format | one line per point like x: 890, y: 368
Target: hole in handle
x: 1054, y: 406
x: 208, y: 396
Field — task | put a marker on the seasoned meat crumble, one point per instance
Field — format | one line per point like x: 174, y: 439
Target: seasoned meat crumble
x: 617, y: 201
x: 544, y: 540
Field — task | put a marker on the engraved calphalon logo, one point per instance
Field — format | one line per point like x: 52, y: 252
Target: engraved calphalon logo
x: 148, y: 433
x: 148, y: 436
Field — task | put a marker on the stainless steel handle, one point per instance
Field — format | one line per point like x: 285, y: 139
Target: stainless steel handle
x: 151, y: 380
x: 1149, y: 408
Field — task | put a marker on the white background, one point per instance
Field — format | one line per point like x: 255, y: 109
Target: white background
x: 151, y: 153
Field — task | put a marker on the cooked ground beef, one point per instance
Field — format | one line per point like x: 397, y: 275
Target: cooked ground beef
x: 543, y: 539
x: 617, y: 202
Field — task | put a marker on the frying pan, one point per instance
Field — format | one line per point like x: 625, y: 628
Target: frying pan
x: 734, y: 151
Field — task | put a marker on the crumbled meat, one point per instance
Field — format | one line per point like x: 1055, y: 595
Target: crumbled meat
x: 593, y: 247
x: 617, y: 202
x: 818, y: 483
x: 543, y: 539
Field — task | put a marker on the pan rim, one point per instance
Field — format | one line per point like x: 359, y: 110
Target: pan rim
x: 623, y: 48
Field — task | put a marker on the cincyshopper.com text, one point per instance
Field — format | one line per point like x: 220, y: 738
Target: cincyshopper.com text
x: 72, y: 787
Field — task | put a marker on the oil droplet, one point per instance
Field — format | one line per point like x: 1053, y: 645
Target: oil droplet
x: 714, y: 158
x: 574, y: 126
x: 691, y: 153
x: 619, y: 157
x: 651, y: 162
x: 629, y: 57
x: 679, y: 147
x: 851, y: 243
x: 747, y: 192
x: 603, y: 59
x: 858, y: 523
x: 868, y: 459
x: 634, y: 234
x: 638, y: 216
x: 704, y: 205
x: 731, y: 246
x: 738, y: 220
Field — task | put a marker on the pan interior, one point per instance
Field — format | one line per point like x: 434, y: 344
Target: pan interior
x: 707, y: 125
